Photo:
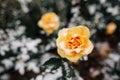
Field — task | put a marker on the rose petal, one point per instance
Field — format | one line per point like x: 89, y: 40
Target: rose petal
x: 89, y: 49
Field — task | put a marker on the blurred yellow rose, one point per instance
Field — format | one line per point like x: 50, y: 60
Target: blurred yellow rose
x: 111, y: 27
x: 73, y: 43
x: 49, y: 22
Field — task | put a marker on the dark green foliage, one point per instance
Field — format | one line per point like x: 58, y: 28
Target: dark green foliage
x: 55, y: 63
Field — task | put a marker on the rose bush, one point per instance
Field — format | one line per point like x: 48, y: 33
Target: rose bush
x: 73, y: 43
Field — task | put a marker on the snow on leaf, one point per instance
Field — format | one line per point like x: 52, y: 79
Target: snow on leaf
x: 39, y: 77
x: 20, y: 66
x: 67, y: 70
x: 53, y: 63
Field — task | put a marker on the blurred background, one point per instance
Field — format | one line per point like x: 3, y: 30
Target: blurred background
x: 27, y: 52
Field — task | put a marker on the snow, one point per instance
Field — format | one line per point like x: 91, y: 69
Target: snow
x: 1, y: 69
x: 20, y: 66
x: 52, y: 43
x: 39, y: 77
x: 85, y: 58
x: 15, y: 45
x: 92, y: 8
x: 98, y: 15
x: 8, y: 63
x: 32, y: 65
x: 102, y: 47
x: 4, y: 77
x: 12, y: 43
x: 23, y: 57
x: 3, y: 49
x: 20, y: 30
x: 47, y: 47
x: 113, y: 10
x: 94, y: 72
x: 32, y: 79
x: 24, y: 50
x: 31, y: 45
x: 93, y: 32
x: 75, y: 10
x: 115, y: 57
x: 77, y: 75
x: 102, y: 1
x: 47, y: 70
x: 53, y: 76
x: 24, y: 6
x: 46, y: 57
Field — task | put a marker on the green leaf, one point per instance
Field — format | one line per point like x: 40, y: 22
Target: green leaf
x: 53, y: 63
x: 67, y: 70
x: 61, y: 78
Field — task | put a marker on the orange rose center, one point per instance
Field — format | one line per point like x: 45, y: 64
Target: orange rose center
x: 74, y: 42
x: 47, y: 20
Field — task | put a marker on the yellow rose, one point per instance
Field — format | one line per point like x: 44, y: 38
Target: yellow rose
x: 49, y: 22
x: 111, y: 27
x: 73, y: 43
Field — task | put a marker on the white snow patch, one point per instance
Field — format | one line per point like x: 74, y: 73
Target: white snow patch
x: 4, y: 77
x: 20, y: 66
x: 39, y: 77
x: 20, y: 30
x: 94, y: 72
x: 15, y: 45
x: 23, y: 57
x: 3, y: 49
x: 1, y: 69
x: 8, y: 63
x: 24, y: 6
x: 92, y: 8
x: 31, y: 45
x: 32, y: 79
x: 78, y: 77
x: 85, y: 58
x: 47, y: 47
x: 32, y: 65
x: 53, y: 76
x: 102, y: 1
x: 46, y: 57
x: 114, y: 57
x: 75, y: 10
x: 113, y: 10
x: 24, y: 50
